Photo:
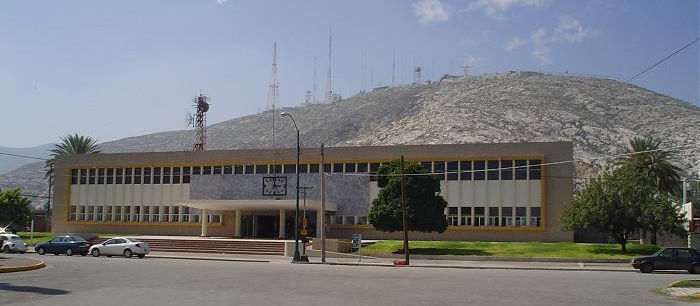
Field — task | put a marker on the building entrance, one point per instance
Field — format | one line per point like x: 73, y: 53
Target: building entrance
x: 266, y: 226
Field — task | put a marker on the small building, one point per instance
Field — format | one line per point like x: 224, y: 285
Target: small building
x: 497, y: 192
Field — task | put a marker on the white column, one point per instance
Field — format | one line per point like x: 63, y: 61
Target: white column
x: 319, y: 223
x: 283, y: 233
x: 237, y: 232
x: 205, y: 222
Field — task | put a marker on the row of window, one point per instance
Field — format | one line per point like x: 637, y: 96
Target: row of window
x: 494, y: 216
x: 110, y: 213
x: 447, y: 170
x: 349, y: 220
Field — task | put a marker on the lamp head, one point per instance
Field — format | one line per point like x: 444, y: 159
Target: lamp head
x: 283, y: 114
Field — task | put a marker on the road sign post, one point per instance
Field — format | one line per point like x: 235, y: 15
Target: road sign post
x: 357, y: 244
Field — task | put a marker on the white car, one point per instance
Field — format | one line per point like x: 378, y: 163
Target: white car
x: 12, y: 243
x: 121, y: 246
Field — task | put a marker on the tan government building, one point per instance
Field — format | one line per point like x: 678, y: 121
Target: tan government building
x: 497, y: 192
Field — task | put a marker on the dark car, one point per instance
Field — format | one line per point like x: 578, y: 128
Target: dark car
x: 669, y: 259
x: 68, y: 245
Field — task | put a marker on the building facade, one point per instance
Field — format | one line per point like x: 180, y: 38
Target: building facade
x: 496, y: 192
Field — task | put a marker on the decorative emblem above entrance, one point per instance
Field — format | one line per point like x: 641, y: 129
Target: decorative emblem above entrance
x: 275, y: 186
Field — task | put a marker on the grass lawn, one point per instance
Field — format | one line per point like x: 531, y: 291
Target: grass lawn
x: 39, y: 237
x: 511, y: 249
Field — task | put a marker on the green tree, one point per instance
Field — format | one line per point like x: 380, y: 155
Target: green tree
x: 662, y: 214
x: 425, y: 207
x: 14, y: 208
x: 610, y: 204
x: 71, y: 145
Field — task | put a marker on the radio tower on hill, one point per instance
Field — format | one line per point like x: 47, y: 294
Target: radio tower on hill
x: 272, y: 97
x: 329, y: 79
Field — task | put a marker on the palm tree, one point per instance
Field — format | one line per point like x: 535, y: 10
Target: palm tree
x: 71, y: 145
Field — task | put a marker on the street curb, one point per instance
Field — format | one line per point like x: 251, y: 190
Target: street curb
x: 476, y: 267
x: 502, y: 258
x: 35, y: 266
x: 209, y: 258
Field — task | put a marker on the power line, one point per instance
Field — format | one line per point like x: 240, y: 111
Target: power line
x: 664, y: 59
x: 24, y: 156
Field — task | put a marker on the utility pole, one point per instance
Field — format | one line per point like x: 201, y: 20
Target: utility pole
x: 323, y: 209
x: 48, y: 206
x: 403, y: 210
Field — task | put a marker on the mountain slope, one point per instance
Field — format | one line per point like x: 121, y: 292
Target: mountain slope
x: 598, y: 115
x: 9, y: 163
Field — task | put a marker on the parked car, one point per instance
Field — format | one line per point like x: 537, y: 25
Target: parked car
x: 121, y: 246
x: 68, y: 245
x: 669, y: 259
x: 12, y: 243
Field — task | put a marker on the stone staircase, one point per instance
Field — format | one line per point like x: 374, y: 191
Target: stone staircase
x: 247, y: 247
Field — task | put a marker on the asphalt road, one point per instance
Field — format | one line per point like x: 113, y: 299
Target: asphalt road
x: 102, y: 281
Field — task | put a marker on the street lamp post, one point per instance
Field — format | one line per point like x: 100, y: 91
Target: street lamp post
x: 297, y: 256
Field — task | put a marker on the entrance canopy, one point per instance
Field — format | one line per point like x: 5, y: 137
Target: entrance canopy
x: 224, y: 205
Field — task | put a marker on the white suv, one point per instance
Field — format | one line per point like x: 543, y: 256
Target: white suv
x: 12, y: 243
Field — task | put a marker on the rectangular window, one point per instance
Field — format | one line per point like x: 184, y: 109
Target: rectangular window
x: 228, y: 169
x: 439, y: 168
x: 506, y: 216
x: 185, y: 214
x: 535, y: 217
x: 249, y: 169
x: 108, y: 213
x: 137, y: 175
x: 100, y: 176
x: 313, y: 168
x: 520, y: 169
x: 156, y: 175
x: 155, y: 214
x: 237, y: 169
x: 147, y: 175
x: 327, y: 168
x: 506, y: 170
x: 176, y: 214
x: 373, y: 168
x: 493, y: 216
x: 176, y: 175
x: 362, y: 220
x: 290, y: 168
x: 428, y: 166
x: 165, y: 214
x: 83, y: 176
x: 197, y: 170
x: 110, y: 175
x: 535, y: 169
x: 81, y: 213
x: 146, y: 214
x: 128, y: 176
x: 337, y: 168
x: 217, y: 169
x: 479, y: 166
x: 350, y: 167
x: 303, y: 168
x: 362, y: 167
x: 215, y: 218
x: 74, y: 176
x: 206, y: 170
x: 73, y: 209
x: 90, y: 213
x: 349, y: 220
x: 99, y: 213
x: 261, y: 169
x: 91, y: 176
x: 185, y: 175
x: 466, y: 174
x: 466, y: 216
x: 117, y: 213
x: 127, y: 213
x: 119, y: 175
x: 276, y: 168
x: 166, y: 175
x: 479, y: 217
x: 521, y: 216
x: 492, y: 174
x: 452, y: 171
x: 137, y: 214
x: 452, y: 218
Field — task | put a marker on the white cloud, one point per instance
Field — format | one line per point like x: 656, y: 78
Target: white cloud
x: 514, y: 44
x: 430, y: 11
x: 570, y: 29
x: 495, y: 8
x: 221, y: 1
x: 541, y: 51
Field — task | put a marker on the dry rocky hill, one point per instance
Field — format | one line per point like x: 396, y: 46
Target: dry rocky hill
x: 599, y: 115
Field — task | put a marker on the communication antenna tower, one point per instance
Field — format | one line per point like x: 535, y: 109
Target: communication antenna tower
x: 314, y: 93
x: 417, y: 74
x: 329, y: 78
x: 466, y: 69
x: 199, y: 121
x: 272, y: 97
x: 308, y: 98
x: 393, y: 67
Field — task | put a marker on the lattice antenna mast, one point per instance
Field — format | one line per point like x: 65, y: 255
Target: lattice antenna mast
x: 417, y: 74
x: 466, y: 69
x: 314, y: 94
x: 393, y: 67
x: 199, y: 121
x: 329, y: 77
x: 272, y: 98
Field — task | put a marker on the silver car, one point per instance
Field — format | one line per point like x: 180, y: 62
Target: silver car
x: 12, y: 243
x: 119, y: 246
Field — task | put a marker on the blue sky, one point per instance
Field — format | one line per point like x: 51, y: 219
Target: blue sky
x: 114, y: 69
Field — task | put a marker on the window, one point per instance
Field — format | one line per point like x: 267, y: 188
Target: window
x: 206, y: 170
x: 452, y: 168
x: 100, y: 176
x: 176, y: 175
x: 249, y: 169
x: 337, y: 168
x: 90, y: 213
x: 350, y: 167
x: 228, y: 169
x: 452, y: 218
x: 217, y: 169
x: 479, y: 218
x: 261, y: 169
x: 117, y: 213
x: 466, y: 216
x: 521, y: 216
x: 493, y: 216
x: 73, y: 209
x: 127, y: 176
x: 127, y: 213
x: 506, y: 170
x: 520, y: 169
x: 237, y: 169
x: 185, y: 175
x: 83, y: 176
x: 535, y: 216
x: 155, y: 214
x: 81, y: 213
x: 290, y: 168
x: 506, y: 216
x: 197, y: 170
x: 466, y: 174
x: 428, y: 166
x: 215, y: 218
x: 362, y: 167
x: 338, y: 219
x: 156, y: 175
x: 99, y: 213
x: 166, y: 175
x: 492, y: 174
x: 185, y: 214
x: 137, y: 214
x: 146, y: 214
x: 373, y: 168
x: 91, y: 176
x: 349, y: 220
x: 166, y: 214
x: 110, y: 176
x: 535, y: 169
x: 327, y: 168
x: 108, y: 213
x: 362, y: 220
x: 667, y: 253
x: 303, y: 168
x: 137, y: 176
x: 313, y: 168
x: 74, y: 176
x: 276, y: 168
x: 176, y: 214
x: 439, y: 168
x: 479, y: 166
x: 147, y: 175
x: 683, y: 255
